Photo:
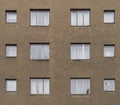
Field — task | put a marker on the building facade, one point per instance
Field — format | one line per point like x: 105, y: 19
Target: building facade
x: 59, y: 52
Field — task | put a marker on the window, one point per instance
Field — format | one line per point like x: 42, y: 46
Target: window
x: 11, y: 85
x: 109, y: 85
x: 80, y: 51
x: 80, y: 86
x: 109, y: 50
x: 39, y: 17
x: 40, y: 86
x: 11, y: 50
x: 80, y: 17
x: 11, y: 16
x: 39, y: 51
x: 109, y: 16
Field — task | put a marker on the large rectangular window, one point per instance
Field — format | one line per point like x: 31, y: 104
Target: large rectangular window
x: 39, y: 51
x: 80, y: 17
x: 11, y: 16
x: 39, y: 17
x: 80, y: 86
x: 80, y: 51
x: 40, y: 86
x: 109, y: 16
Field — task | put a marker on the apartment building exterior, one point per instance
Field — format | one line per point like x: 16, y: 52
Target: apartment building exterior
x: 59, y: 52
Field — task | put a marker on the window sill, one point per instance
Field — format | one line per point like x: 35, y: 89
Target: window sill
x: 44, y: 95
x: 81, y: 26
x: 38, y: 26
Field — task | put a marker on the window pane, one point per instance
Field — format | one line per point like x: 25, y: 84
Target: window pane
x: 109, y: 16
x: 11, y: 17
x: 86, y: 17
x: 11, y: 51
x: 33, y: 17
x: 73, y: 18
x: 33, y: 86
x: 108, y: 51
x: 39, y: 51
x: 10, y: 85
x: 80, y: 20
x: 109, y: 85
x: 46, y: 86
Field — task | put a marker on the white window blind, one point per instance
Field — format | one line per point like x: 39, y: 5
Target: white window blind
x: 39, y: 51
x: 39, y: 17
x: 11, y: 50
x: 11, y: 85
x: 109, y: 16
x: 11, y: 16
x: 80, y: 51
x: 80, y: 17
x: 109, y: 51
x: 109, y: 85
x: 80, y: 86
x: 40, y: 86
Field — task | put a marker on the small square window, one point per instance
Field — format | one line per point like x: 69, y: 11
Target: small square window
x: 109, y: 85
x: 11, y: 16
x: 109, y: 16
x: 80, y: 86
x: 11, y: 85
x: 11, y: 50
x: 109, y: 50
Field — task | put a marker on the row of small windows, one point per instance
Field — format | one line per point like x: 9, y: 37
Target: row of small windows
x: 79, y: 17
x: 42, y: 51
x: 77, y: 85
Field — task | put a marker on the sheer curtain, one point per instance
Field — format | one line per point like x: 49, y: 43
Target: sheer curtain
x: 39, y: 51
x: 86, y: 17
x: 80, y: 86
x: 73, y: 17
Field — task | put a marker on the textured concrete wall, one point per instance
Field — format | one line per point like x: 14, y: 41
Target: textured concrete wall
x: 59, y: 68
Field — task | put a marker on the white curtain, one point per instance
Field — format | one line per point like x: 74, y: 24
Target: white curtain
x: 109, y: 16
x: 109, y: 85
x: 10, y: 85
x: 80, y: 20
x: 80, y: 86
x: 11, y: 17
x: 11, y: 51
x: 108, y: 51
x: 46, y: 86
x: 80, y: 51
x: 39, y: 51
x: 40, y: 18
x: 33, y: 85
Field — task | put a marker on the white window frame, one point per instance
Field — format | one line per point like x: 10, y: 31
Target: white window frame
x: 109, y: 85
x: 80, y: 17
x: 40, y: 17
x: 39, y: 51
x: 109, y: 16
x: 78, y: 86
x: 110, y: 53
x: 78, y: 51
x: 11, y: 16
x: 11, y: 50
x: 40, y: 86
x: 11, y: 85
